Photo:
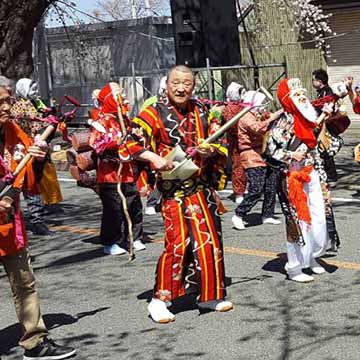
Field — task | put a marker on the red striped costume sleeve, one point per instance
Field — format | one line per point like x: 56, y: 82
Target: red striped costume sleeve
x: 142, y: 135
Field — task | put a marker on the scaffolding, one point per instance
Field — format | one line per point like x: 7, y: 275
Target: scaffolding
x: 206, y: 79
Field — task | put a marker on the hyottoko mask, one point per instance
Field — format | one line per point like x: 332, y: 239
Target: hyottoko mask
x: 235, y: 92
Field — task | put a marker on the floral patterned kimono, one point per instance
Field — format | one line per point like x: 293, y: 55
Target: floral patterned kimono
x: 300, y: 195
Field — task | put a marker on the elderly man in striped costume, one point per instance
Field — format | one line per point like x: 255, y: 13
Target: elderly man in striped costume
x: 190, y: 213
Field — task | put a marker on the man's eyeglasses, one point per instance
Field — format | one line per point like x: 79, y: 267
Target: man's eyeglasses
x: 7, y: 100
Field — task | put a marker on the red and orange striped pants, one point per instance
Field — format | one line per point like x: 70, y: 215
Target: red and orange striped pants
x: 192, y: 234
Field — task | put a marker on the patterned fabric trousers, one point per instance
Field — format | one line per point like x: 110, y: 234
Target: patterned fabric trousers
x: 329, y: 212
x: 261, y: 180
x: 238, y: 175
x: 192, y: 234
x: 36, y: 208
x: 330, y: 168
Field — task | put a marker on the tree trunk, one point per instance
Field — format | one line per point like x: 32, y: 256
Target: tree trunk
x: 18, y: 18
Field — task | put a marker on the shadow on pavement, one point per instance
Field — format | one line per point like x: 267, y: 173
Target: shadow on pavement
x: 10, y: 336
x: 92, y: 240
x: 72, y: 259
x: 328, y: 267
x: 277, y: 264
x: 245, y: 279
x: 253, y: 220
x: 146, y: 295
x: 184, y: 303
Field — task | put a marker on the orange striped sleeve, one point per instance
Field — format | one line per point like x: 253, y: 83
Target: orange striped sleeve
x: 142, y: 134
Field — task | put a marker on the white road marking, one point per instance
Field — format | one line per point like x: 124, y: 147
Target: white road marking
x: 346, y: 200
x: 66, y: 180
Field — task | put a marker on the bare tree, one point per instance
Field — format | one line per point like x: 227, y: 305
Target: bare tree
x: 18, y: 18
x: 125, y: 9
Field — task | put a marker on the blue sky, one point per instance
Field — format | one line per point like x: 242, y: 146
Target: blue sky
x: 84, y: 5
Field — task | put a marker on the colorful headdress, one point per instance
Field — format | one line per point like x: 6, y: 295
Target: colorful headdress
x: 291, y: 95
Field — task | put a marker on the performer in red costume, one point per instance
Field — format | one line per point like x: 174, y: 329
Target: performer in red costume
x: 105, y: 134
x: 292, y: 146
x: 191, y: 219
x: 234, y: 106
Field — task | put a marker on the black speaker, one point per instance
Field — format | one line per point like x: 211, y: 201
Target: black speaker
x: 206, y: 29
x: 221, y: 32
x: 188, y: 34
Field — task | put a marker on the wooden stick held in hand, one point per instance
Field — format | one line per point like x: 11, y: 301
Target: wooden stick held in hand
x: 48, y: 131
x: 119, y: 101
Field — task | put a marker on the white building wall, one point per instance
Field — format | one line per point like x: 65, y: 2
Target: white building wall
x: 345, y: 48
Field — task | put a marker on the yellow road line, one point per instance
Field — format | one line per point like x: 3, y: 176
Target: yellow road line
x: 344, y: 265
x: 228, y: 249
x: 272, y: 255
x: 251, y: 252
x: 74, y: 229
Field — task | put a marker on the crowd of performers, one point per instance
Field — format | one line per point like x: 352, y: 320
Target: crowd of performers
x: 288, y: 153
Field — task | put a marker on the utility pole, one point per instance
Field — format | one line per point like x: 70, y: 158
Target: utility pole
x: 148, y: 11
x: 41, y: 59
x: 133, y: 9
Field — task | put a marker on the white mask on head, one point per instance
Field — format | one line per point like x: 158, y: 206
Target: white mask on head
x: 303, y: 104
x: 19, y: 152
x: 115, y: 89
x: 162, y: 86
x: 235, y: 92
x: 34, y: 91
x: 27, y: 89
x: 94, y: 97
x: 254, y: 98
x: 339, y: 89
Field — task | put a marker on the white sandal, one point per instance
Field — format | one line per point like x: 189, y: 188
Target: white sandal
x: 159, y: 312
x: 301, y: 278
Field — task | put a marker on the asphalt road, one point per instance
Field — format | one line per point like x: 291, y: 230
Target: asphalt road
x: 98, y: 303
